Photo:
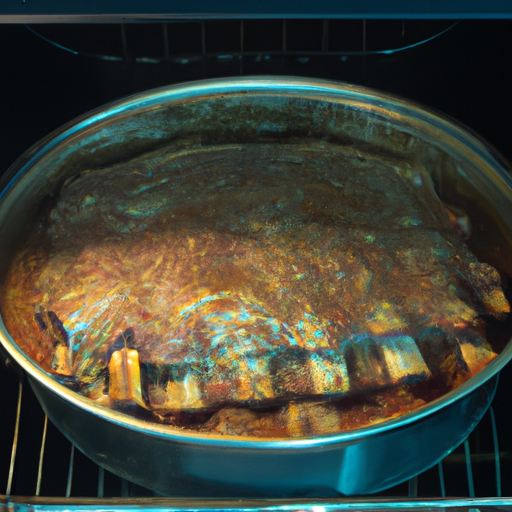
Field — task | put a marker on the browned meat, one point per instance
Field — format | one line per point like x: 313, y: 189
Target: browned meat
x: 251, y: 276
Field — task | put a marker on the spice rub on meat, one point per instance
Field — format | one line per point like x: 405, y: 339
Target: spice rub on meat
x: 275, y: 287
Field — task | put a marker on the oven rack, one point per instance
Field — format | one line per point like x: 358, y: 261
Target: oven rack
x: 39, y: 462
x: 233, y: 40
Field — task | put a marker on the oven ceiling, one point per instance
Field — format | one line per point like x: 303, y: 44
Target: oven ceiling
x: 100, y: 11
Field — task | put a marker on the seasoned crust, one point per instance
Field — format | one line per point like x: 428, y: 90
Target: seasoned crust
x: 253, y: 276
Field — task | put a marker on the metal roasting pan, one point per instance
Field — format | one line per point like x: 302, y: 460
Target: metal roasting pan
x: 467, y: 172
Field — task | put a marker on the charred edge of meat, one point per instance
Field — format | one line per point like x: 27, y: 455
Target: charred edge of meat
x: 290, y: 375
x: 49, y: 201
x: 439, y: 350
x: 40, y: 322
x: 187, y: 419
x: 49, y: 322
x: 58, y: 328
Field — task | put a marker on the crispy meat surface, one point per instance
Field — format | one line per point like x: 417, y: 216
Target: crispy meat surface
x: 251, y: 276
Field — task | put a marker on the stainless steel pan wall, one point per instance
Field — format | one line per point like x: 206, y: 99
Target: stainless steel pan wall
x: 246, y: 110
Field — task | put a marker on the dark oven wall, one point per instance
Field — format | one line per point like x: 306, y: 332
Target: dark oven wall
x: 464, y: 72
x: 462, y: 69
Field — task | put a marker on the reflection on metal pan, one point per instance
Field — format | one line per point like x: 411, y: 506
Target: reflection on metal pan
x: 353, y: 462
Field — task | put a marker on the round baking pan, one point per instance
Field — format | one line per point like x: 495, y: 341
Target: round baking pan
x: 467, y: 173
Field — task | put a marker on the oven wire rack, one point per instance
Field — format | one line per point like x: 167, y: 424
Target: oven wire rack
x: 105, y: 490
x: 247, y: 38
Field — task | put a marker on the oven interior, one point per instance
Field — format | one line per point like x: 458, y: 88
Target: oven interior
x: 52, y: 73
